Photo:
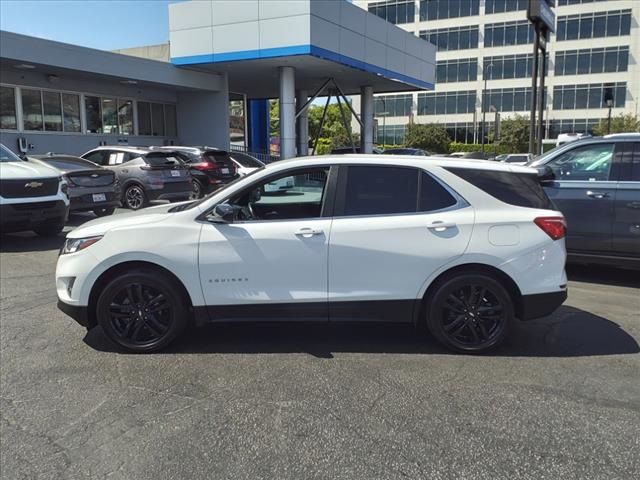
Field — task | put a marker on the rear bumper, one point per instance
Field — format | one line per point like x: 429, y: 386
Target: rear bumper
x: 85, y: 202
x: 172, y: 191
x: 541, y: 304
x: 79, y: 314
x: 25, y: 216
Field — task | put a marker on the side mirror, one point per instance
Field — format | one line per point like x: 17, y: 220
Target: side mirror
x: 545, y: 174
x: 223, y: 213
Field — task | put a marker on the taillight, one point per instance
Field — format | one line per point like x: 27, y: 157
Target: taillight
x: 555, y: 227
x: 204, y: 165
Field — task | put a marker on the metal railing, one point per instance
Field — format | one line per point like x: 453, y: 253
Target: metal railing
x: 265, y: 157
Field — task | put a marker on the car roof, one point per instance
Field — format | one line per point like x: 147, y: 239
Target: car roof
x: 121, y: 148
x: 401, y: 160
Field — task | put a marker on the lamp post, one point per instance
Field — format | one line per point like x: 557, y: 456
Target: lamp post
x: 485, y: 71
x: 610, y: 106
x: 384, y: 116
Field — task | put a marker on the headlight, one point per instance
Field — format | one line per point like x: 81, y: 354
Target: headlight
x: 72, y: 245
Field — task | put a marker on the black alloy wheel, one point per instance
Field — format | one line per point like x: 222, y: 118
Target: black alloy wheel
x: 196, y: 191
x: 142, y: 311
x: 134, y: 197
x: 470, y: 313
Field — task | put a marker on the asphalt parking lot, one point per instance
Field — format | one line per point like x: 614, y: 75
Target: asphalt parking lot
x: 560, y: 400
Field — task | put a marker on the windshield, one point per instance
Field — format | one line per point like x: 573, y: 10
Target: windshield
x: 546, y: 154
x: 7, y: 155
x: 189, y: 206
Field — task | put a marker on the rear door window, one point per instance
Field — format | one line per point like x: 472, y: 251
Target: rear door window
x: 433, y: 196
x: 98, y: 157
x: 629, y: 161
x: 519, y: 189
x: 380, y: 190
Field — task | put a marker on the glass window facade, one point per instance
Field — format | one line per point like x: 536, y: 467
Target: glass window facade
x: 391, y: 134
x: 457, y: 70
x: 613, y: 23
x: 71, y: 112
x: 394, y: 105
x: 457, y: 38
x: 394, y: 11
x: 508, y: 33
x: 592, y: 60
x: 509, y: 99
x: 52, y: 111
x: 8, y: 119
x: 460, y: 132
x: 446, y: 102
x: 572, y: 125
x: 437, y: 9
x: 32, y: 109
x: 563, y: 3
x: 570, y: 97
x: 499, y: 6
x: 508, y: 66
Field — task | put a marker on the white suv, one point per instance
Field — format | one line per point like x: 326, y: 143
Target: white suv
x: 33, y: 196
x: 464, y: 247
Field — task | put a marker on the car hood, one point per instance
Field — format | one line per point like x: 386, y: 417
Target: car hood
x: 100, y: 226
x: 26, y: 170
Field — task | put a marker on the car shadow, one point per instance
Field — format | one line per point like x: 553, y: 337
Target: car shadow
x: 604, y: 275
x: 570, y: 332
x: 28, y: 241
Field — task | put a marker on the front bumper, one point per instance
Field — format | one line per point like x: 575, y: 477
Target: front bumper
x: 78, y: 313
x: 16, y: 217
x: 541, y: 304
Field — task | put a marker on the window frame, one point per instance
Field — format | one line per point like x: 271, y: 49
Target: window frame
x: 16, y: 115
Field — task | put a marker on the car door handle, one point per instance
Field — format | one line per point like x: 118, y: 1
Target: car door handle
x: 439, y: 226
x: 593, y: 194
x: 308, y: 232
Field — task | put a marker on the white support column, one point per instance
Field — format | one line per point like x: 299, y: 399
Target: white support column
x: 302, y: 124
x: 287, y: 113
x: 366, y: 116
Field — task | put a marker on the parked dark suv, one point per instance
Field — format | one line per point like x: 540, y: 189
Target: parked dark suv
x: 595, y: 182
x: 211, y: 168
x: 145, y: 175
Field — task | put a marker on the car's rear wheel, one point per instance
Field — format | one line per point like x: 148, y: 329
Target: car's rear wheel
x: 104, y: 212
x: 134, y: 197
x: 142, y: 311
x: 49, y: 230
x: 470, y: 313
x: 197, y: 190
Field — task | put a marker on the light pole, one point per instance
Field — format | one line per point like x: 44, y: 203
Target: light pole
x: 610, y: 106
x: 485, y: 71
x: 384, y: 126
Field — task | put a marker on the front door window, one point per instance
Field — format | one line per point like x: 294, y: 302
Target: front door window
x: 589, y: 163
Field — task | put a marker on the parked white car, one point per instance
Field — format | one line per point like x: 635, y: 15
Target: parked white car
x: 465, y: 247
x: 33, y: 196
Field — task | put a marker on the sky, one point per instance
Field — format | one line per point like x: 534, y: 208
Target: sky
x: 103, y: 24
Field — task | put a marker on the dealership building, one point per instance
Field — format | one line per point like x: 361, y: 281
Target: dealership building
x: 596, y: 48
x: 63, y: 98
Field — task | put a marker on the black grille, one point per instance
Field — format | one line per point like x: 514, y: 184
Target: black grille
x: 35, y: 187
x: 34, y: 206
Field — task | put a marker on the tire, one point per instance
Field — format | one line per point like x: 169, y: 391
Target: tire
x: 104, y: 212
x: 48, y: 230
x: 470, y: 313
x: 159, y: 314
x: 197, y: 192
x: 134, y: 197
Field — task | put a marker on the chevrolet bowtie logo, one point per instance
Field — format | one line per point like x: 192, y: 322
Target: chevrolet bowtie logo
x: 33, y: 184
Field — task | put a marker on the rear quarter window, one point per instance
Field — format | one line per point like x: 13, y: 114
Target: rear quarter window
x: 519, y: 189
x: 162, y: 159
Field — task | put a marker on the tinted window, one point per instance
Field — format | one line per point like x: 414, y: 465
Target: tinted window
x: 7, y: 155
x: 433, y: 196
x: 519, y: 189
x: 7, y: 108
x: 68, y: 164
x: 586, y: 163
x: 161, y: 159
x: 628, y: 158
x: 246, y: 160
x: 381, y: 191
x: 97, y: 157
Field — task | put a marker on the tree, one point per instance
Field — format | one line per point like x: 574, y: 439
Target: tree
x: 619, y: 124
x: 431, y: 137
x: 514, y: 134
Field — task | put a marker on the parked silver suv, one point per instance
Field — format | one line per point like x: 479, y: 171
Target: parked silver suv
x: 145, y: 175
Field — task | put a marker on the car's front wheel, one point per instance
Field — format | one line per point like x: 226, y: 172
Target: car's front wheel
x: 142, y: 311
x: 470, y: 313
x: 197, y: 190
x: 134, y: 197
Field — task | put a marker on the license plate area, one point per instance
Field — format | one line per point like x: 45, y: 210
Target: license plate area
x: 99, y: 197
x: 175, y: 173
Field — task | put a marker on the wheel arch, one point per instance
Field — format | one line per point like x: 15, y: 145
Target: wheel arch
x: 127, y: 267
x: 510, y: 285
